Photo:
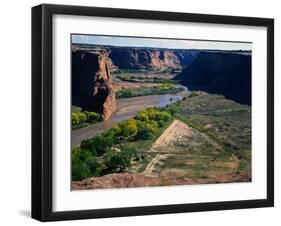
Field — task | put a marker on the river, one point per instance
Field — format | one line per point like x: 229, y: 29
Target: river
x: 126, y: 108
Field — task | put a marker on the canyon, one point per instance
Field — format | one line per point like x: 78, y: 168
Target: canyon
x: 220, y: 72
x: 93, y: 88
x: 199, y: 145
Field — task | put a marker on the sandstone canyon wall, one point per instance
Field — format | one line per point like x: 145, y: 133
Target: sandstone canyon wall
x: 226, y: 73
x: 92, y: 87
x: 157, y: 59
x: 150, y: 58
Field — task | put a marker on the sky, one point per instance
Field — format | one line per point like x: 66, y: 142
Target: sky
x: 159, y: 43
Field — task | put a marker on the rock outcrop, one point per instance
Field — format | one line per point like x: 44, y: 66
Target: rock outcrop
x: 136, y: 58
x: 225, y: 73
x: 126, y: 58
x: 150, y: 58
x: 92, y: 87
x: 128, y: 180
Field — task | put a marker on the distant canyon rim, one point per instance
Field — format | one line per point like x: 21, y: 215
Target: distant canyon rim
x: 221, y: 72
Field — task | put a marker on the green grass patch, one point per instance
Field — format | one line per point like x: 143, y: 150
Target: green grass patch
x: 145, y: 79
x: 145, y: 91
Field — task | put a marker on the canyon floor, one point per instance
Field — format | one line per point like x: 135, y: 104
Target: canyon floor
x: 209, y: 141
x: 127, y: 108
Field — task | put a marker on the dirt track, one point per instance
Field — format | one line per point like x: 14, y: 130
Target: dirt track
x: 175, y: 131
x: 150, y: 167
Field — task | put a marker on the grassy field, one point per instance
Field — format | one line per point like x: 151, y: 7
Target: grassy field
x: 219, y: 144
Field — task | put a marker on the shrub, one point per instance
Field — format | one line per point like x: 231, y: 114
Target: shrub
x: 92, y: 116
x: 142, y: 116
x: 75, y: 119
x: 117, y: 161
x: 94, y: 166
x: 80, y: 171
x: 84, y: 164
x: 193, y: 94
x: 78, y: 117
x: 114, y: 131
x: 129, y: 150
x: 147, y: 130
x: 156, y: 115
x: 128, y: 127
x: 83, y: 117
x: 173, y: 108
x: 98, y: 144
x: 161, y: 123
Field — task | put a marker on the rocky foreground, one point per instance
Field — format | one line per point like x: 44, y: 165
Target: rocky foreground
x: 127, y: 180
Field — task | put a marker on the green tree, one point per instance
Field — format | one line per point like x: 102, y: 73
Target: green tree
x: 142, y: 116
x: 75, y: 119
x: 128, y: 127
x: 84, y: 164
x: 117, y: 161
x: 82, y: 117
x: 80, y: 170
x: 115, y: 131
x: 147, y: 130
x: 98, y: 144
x: 92, y: 116
x: 94, y: 166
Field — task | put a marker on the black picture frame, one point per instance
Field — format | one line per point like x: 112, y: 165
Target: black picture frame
x: 42, y: 111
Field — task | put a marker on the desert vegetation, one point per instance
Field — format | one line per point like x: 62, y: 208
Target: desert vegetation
x: 83, y: 118
x: 146, y: 79
x: 212, y: 143
x: 113, y: 150
x: 145, y: 91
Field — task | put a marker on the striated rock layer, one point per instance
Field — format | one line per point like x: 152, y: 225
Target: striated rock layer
x: 92, y: 86
x: 144, y: 59
x: 150, y: 58
x: 155, y: 59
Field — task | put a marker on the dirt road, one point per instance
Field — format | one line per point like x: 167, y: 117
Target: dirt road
x: 175, y: 131
x: 150, y: 167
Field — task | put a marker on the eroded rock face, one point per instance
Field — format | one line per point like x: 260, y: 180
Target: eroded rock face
x: 92, y: 87
x: 136, y: 58
x: 225, y: 73
x: 149, y: 58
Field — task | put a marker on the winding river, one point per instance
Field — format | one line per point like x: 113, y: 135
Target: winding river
x: 126, y: 108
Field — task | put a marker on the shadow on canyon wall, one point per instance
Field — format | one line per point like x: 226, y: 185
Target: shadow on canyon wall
x: 225, y: 73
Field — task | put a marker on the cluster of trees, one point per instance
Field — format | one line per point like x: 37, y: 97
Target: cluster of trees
x: 145, y: 91
x: 130, y: 71
x: 147, y: 79
x: 113, y: 150
x: 86, y: 163
x: 81, y: 119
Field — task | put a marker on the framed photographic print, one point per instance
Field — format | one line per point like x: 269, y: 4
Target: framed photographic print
x: 146, y: 112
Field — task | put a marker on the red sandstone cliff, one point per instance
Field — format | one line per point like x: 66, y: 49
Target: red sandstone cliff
x: 92, y: 87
